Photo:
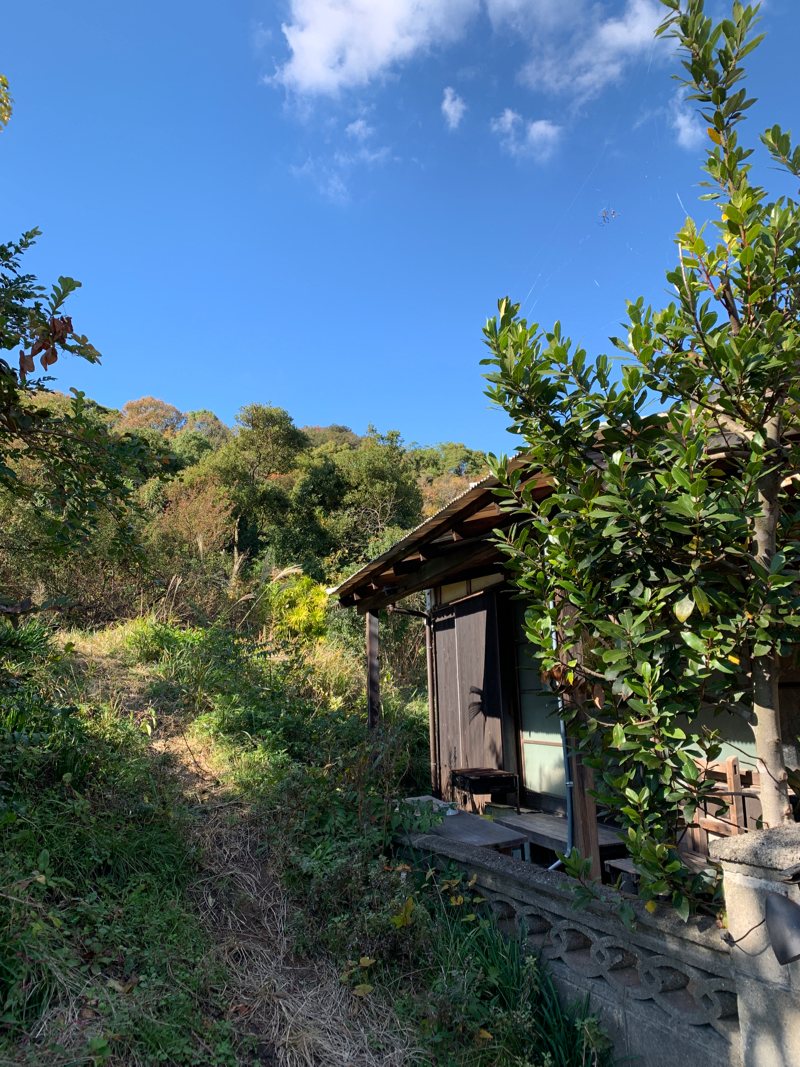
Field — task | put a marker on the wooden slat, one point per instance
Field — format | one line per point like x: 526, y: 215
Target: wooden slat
x: 427, y: 532
x: 473, y: 501
x: 473, y: 830
x: 449, y: 719
x: 736, y: 810
x: 550, y: 831
x: 479, y: 682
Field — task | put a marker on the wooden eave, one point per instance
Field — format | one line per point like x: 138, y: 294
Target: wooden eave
x: 454, y: 540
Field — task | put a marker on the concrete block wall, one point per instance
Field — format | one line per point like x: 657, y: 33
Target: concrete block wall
x: 666, y: 993
x: 671, y: 994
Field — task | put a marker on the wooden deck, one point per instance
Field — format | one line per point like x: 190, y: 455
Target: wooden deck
x: 473, y: 830
x: 550, y: 831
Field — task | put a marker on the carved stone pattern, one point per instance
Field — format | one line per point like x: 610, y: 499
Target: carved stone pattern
x: 687, y: 994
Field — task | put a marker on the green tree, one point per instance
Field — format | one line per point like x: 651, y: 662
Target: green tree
x: 253, y: 467
x: 449, y: 457
x: 661, y: 574
x: 334, y: 435
x: 150, y: 413
x: 268, y: 441
x: 205, y: 422
x: 58, y: 454
x: 382, y: 490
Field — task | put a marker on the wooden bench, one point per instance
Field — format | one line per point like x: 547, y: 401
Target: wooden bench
x: 473, y: 830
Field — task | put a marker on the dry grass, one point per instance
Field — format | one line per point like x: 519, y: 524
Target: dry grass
x: 97, y: 671
x: 335, y: 675
x: 304, y: 1014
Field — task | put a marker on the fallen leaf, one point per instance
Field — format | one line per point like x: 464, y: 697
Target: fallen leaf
x: 365, y: 961
x: 362, y: 990
x: 650, y: 906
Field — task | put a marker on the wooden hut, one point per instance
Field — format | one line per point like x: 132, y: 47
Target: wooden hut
x: 488, y: 710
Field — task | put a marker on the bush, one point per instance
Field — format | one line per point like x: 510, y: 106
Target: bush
x: 297, y: 608
x: 148, y: 640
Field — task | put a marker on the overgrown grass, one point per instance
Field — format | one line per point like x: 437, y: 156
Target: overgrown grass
x: 102, y: 958
x: 100, y: 955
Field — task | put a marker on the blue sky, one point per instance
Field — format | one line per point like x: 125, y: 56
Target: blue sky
x: 317, y: 203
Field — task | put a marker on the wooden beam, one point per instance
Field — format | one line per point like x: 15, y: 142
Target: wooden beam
x: 434, y: 572
x: 433, y: 730
x: 389, y: 591
x: 478, y: 503
x: 407, y: 566
x: 373, y: 672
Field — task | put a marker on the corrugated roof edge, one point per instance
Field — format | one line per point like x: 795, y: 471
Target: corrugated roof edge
x: 399, y: 548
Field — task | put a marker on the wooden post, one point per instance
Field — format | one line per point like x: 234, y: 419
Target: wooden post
x: 585, y: 815
x: 436, y: 787
x: 373, y: 672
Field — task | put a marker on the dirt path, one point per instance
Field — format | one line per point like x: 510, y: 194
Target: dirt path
x: 297, y: 1011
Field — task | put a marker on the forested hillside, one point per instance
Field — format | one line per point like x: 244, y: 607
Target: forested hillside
x: 217, y: 511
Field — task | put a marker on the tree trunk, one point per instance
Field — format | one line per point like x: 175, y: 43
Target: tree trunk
x: 766, y: 708
x: 237, y: 556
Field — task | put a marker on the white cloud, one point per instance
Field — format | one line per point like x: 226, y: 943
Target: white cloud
x: 595, y: 52
x: 576, y: 48
x: 689, y: 132
x: 327, y: 180
x: 538, y: 139
x: 453, y: 108
x: 526, y: 17
x: 344, y: 44
x: 363, y: 155
x: 507, y: 123
x: 359, y: 130
x: 331, y: 174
